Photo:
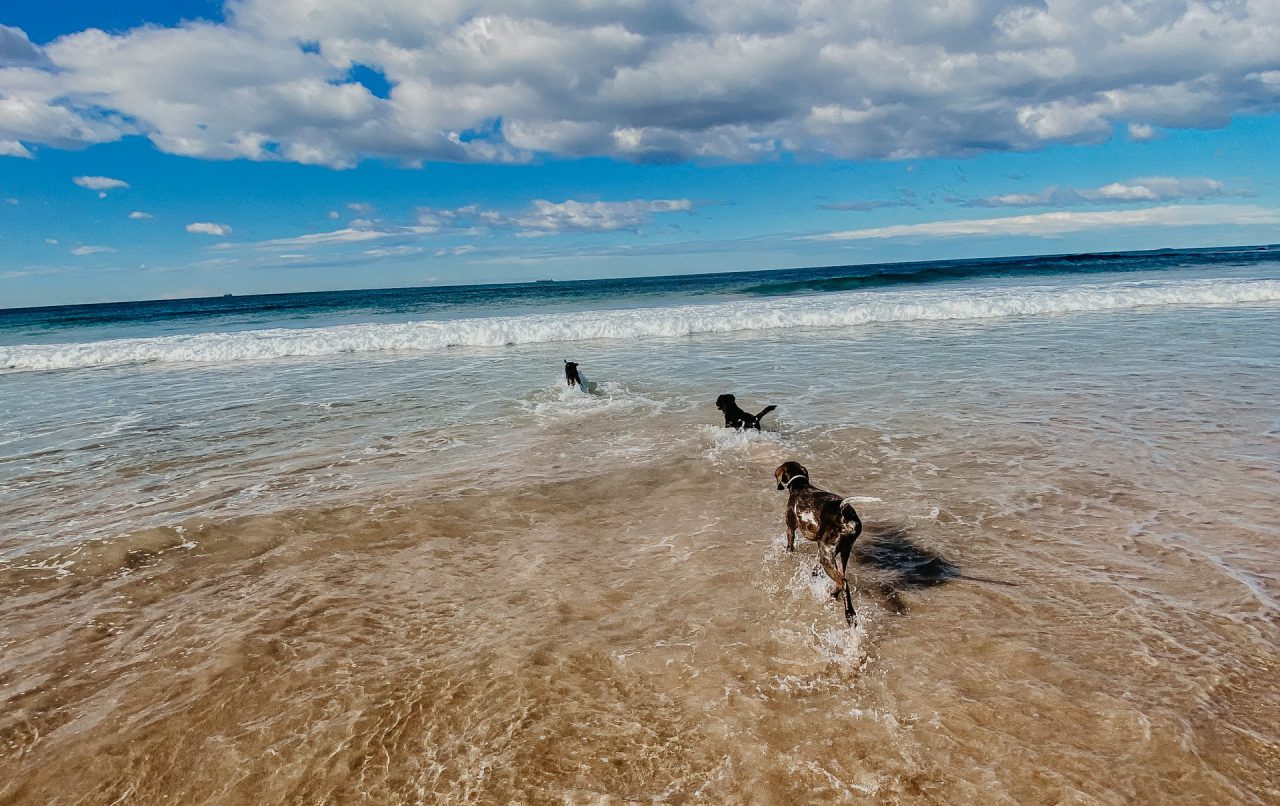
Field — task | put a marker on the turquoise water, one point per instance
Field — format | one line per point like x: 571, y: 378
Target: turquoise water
x: 82, y: 323
x: 119, y: 417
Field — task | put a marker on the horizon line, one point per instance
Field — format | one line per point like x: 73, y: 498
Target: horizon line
x: 544, y: 281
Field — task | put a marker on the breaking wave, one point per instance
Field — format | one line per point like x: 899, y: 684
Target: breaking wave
x: 858, y: 278
x: 836, y: 310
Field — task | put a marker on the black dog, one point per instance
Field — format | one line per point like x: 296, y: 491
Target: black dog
x: 735, y: 417
x: 576, y: 377
x: 571, y: 373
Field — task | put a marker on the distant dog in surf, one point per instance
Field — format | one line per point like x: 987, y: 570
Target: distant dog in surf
x: 571, y: 373
x: 827, y: 519
x: 576, y: 377
x: 735, y: 417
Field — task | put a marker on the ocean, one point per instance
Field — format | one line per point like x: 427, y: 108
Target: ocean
x: 367, y: 547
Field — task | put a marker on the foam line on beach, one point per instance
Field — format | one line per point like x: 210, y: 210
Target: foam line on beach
x: 839, y: 310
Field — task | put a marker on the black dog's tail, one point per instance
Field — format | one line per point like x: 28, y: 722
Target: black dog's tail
x: 767, y: 409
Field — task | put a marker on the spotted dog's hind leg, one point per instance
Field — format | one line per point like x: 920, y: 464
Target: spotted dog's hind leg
x: 834, y: 549
x: 844, y: 549
x: 826, y: 556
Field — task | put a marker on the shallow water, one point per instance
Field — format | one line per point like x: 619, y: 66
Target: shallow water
x: 442, y: 577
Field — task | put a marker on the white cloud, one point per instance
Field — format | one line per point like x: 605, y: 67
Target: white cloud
x: 1140, y: 190
x: 394, y: 251
x: 455, y: 251
x: 541, y: 217
x: 598, y: 216
x: 906, y: 198
x: 209, y: 228
x: 138, y: 215
x: 345, y: 235
x: 16, y: 49
x: 1059, y: 223
x: 544, y: 217
x: 100, y: 182
x: 12, y: 148
x: 454, y: 231
x: 497, y: 80
x: 81, y: 251
x: 1158, y: 188
x: 1142, y: 131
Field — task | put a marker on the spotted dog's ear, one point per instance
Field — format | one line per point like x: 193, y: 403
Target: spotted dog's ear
x: 783, y: 475
x: 788, y: 471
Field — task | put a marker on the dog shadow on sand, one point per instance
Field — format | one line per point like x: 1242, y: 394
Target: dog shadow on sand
x: 898, y: 563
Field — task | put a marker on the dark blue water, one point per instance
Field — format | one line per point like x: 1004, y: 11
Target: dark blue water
x: 161, y: 317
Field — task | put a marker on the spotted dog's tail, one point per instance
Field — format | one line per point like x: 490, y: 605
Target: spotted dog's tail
x: 767, y: 409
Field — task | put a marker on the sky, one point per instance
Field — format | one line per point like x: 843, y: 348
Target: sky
x: 173, y: 148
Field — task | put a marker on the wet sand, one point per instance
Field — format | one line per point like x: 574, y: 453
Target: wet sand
x: 593, y: 604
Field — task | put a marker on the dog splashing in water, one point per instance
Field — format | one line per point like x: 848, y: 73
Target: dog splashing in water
x: 573, y: 376
x: 825, y: 518
x: 735, y: 417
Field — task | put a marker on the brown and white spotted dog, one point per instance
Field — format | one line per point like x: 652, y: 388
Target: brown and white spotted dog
x: 825, y: 518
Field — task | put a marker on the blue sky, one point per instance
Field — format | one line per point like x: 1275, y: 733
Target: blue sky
x: 153, y: 150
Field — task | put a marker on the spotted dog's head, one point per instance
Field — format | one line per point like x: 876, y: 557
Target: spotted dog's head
x: 726, y: 402
x: 787, y: 471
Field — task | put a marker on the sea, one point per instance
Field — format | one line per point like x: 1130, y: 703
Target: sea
x: 369, y: 547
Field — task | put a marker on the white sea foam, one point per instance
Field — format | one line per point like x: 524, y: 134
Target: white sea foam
x: 560, y: 401
x: 724, y: 442
x: 841, y: 310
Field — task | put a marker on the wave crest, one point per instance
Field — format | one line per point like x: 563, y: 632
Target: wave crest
x: 840, y: 310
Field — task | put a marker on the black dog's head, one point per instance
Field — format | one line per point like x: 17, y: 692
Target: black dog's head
x: 726, y: 402
x: 571, y: 372
x: 788, y: 471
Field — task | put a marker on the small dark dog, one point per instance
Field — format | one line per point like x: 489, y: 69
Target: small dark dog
x: 576, y: 377
x: 571, y: 373
x: 825, y: 518
x: 735, y: 417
